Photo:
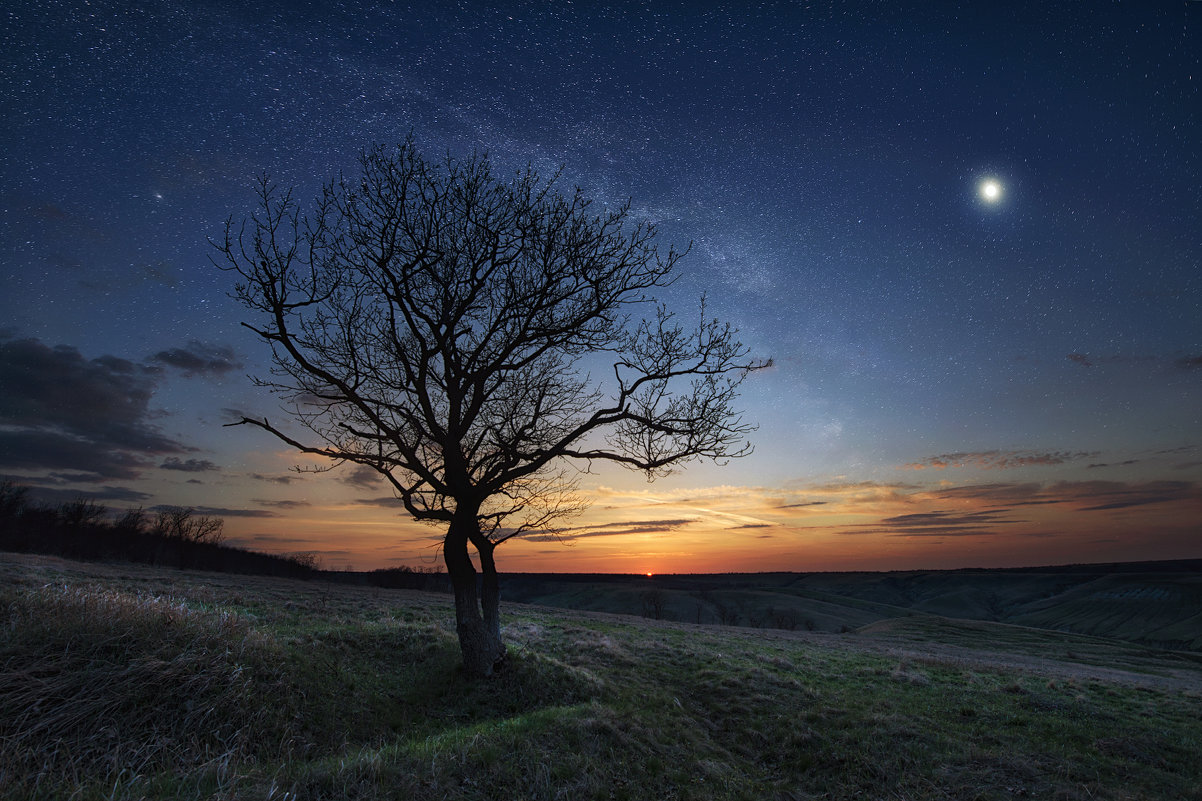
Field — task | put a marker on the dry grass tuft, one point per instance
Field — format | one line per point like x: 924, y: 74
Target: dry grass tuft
x: 103, y: 683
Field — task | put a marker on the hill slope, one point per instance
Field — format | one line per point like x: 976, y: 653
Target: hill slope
x: 1155, y: 604
x: 131, y: 682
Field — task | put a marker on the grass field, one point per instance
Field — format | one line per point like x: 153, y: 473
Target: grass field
x: 121, y: 682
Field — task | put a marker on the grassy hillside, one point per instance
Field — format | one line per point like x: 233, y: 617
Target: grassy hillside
x: 761, y: 600
x: 1156, y: 604
x: 1159, y: 610
x: 129, y: 682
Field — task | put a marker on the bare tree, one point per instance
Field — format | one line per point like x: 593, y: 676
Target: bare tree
x: 654, y: 602
x: 81, y: 513
x: 132, y: 521
x: 14, y: 500
x: 432, y: 322
x: 183, y: 524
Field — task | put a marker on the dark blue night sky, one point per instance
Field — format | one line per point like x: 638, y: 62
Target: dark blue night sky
x: 960, y: 379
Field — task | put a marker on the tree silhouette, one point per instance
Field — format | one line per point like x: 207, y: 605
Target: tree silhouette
x: 435, y: 323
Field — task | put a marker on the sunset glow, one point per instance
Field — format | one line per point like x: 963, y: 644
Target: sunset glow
x: 869, y: 525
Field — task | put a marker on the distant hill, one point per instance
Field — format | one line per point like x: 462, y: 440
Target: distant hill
x: 1157, y: 604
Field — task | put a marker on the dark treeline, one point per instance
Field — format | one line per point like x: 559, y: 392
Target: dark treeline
x: 398, y: 578
x: 172, y: 537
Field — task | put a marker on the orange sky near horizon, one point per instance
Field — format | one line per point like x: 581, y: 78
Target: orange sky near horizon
x: 670, y: 527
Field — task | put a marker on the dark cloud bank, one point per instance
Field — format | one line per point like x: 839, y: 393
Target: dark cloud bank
x: 199, y: 359
x: 92, y: 417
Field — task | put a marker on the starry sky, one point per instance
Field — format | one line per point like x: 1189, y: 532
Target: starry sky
x: 969, y: 235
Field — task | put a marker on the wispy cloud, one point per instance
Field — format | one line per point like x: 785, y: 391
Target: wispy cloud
x: 217, y: 511
x: 999, y: 460
x: 616, y: 529
x: 188, y: 466
x: 1082, y: 496
x: 1102, y: 496
x: 275, y: 541
x: 282, y: 504
x: 1189, y: 362
x: 274, y: 479
x: 1128, y: 359
x: 942, y: 523
x: 1124, y: 463
x: 55, y: 495
x: 385, y: 501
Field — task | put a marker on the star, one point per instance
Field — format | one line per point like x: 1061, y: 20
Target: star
x: 990, y: 190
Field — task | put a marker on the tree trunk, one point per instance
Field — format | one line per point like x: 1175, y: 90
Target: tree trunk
x: 477, y: 623
x: 490, y: 601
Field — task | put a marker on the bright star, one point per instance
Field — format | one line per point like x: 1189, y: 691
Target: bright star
x: 990, y: 190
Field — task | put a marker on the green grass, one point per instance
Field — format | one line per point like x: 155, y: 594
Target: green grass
x: 120, y: 682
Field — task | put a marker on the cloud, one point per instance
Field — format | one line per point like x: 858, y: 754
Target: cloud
x: 1081, y: 496
x: 640, y: 527
x: 282, y: 504
x: 945, y: 524
x: 273, y: 540
x: 189, y: 466
x: 1132, y: 359
x: 386, y: 501
x: 273, y: 479
x: 62, y: 411
x: 104, y: 399
x: 77, y: 478
x: 199, y: 358
x: 53, y: 496
x: 856, y: 488
x: 35, y: 449
x: 361, y: 476
x: 1189, y: 362
x: 610, y: 530
x: 217, y: 511
x: 998, y: 460
x: 1123, y: 496
x: 1008, y: 494
x: 1002, y: 512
